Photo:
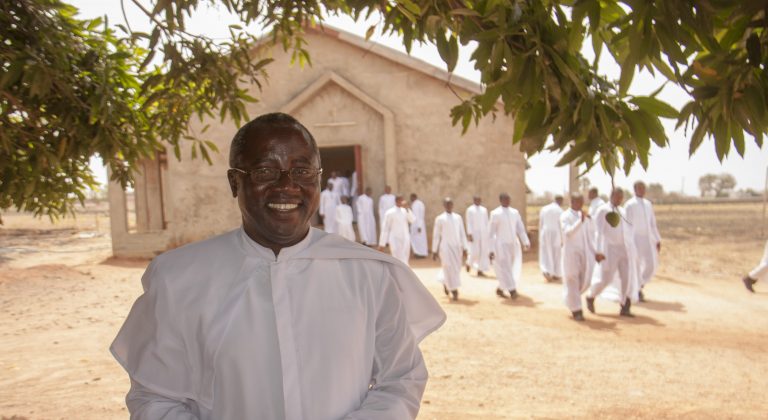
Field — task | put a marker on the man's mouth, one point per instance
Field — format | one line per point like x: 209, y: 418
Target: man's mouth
x: 282, y: 206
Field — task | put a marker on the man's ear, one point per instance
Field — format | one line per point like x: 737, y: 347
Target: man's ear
x: 232, y: 178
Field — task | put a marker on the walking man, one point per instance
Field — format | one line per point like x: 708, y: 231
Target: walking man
x: 615, y: 251
x: 395, y: 231
x: 418, y: 228
x: 477, y: 236
x: 344, y: 219
x: 507, y: 232
x: 366, y: 221
x: 386, y: 202
x: 550, y: 239
x: 578, y: 256
x: 759, y: 273
x: 328, y: 202
x: 449, y: 243
x: 647, y: 238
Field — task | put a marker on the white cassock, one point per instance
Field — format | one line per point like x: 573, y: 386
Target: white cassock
x: 396, y: 233
x: 507, y: 231
x: 550, y: 239
x: 328, y: 202
x: 354, y: 194
x: 344, y: 186
x: 328, y: 329
x: 616, y: 277
x: 479, y: 246
x: 760, y: 273
x: 643, y: 220
x: 594, y: 205
x: 578, y: 257
x: 419, y: 229
x: 449, y: 240
x: 366, y: 222
x: 386, y: 202
x: 344, y: 222
x: 338, y: 185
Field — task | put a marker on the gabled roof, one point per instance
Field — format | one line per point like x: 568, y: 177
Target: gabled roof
x: 396, y: 56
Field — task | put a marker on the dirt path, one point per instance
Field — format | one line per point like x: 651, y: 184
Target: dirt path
x: 696, y: 350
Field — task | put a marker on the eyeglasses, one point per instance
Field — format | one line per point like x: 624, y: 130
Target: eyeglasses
x: 298, y: 175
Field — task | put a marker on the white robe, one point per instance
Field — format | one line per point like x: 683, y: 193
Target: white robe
x: 449, y: 240
x: 594, y: 205
x: 760, y: 273
x: 507, y: 231
x: 328, y: 202
x: 419, y: 230
x: 226, y: 330
x: 386, y: 202
x: 578, y: 257
x: 616, y: 278
x: 479, y: 246
x: 396, y: 233
x: 344, y: 222
x: 550, y: 239
x: 641, y: 216
x: 366, y: 222
x: 338, y: 185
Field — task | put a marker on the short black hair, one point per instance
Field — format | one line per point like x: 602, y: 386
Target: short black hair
x: 263, y: 123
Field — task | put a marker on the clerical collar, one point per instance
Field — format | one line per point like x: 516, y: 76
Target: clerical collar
x: 253, y: 248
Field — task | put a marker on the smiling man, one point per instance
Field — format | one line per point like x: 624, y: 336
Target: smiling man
x: 276, y: 320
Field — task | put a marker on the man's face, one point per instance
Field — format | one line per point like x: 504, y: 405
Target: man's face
x: 640, y: 190
x: 448, y: 206
x: 617, y: 197
x: 577, y: 203
x: 504, y: 200
x: 477, y: 200
x: 592, y: 195
x: 276, y: 213
x: 387, y: 190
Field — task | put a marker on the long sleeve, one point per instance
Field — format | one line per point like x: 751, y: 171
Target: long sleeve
x: 462, y: 234
x: 469, y: 221
x: 652, y: 224
x: 569, y: 225
x: 409, y: 215
x: 144, y: 404
x: 600, y: 237
x: 493, y: 224
x: 521, y: 233
x: 436, y: 235
x: 399, y: 372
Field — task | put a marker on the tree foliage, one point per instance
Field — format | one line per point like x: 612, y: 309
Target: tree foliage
x: 71, y: 88
x: 716, y: 185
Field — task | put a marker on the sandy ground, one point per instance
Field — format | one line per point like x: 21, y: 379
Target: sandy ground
x: 696, y: 350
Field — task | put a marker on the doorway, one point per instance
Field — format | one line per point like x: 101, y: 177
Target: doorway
x: 345, y: 161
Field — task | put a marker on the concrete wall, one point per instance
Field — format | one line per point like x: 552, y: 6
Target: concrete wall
x: 349, y: 96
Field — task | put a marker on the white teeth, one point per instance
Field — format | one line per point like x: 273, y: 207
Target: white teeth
x: 282, y: 207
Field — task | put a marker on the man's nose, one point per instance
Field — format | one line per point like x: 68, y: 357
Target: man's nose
x: 285, y: 180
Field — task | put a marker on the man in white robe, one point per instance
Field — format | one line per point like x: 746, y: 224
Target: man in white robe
x: 578, y: 257
x: 366, y: 221
x: 328, y: 202
x: 641, y: 216
x: 449, y: 244
x: 395, y: 231
x: 594, y: 202
x: 759, y: 273
x: 507, y: 232
x: 338, y: 183
x: 418, y: 228
x: 615, y: 252
x: 551, y: 240
x: 276, y: 320
x: 477, y: 236
x: 344, y: 220
x: 386, y: 202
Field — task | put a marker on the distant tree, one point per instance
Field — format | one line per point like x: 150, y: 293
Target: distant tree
x: 716, y: 185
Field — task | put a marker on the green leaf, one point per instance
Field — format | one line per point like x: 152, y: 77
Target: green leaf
x: 753, y: 50
x: 655, y: 106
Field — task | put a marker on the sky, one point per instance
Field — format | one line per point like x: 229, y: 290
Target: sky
x: 670, y: 166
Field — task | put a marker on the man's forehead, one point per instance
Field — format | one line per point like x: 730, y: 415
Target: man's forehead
x: 273, y: 142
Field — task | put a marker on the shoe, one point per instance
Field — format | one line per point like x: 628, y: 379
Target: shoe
x: 468, y: 268
x: 578, y: 316
x: 641, y: 296
x: 480, y: 274
x: 591, y: 304
x: 557, y: 279
x: 547, y: 276
x: 500, y: 293
x: 445, y: 289
x: 625, y: 309
x: 748, y: 282
x: 513, y: 294
x: 455, y: 294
